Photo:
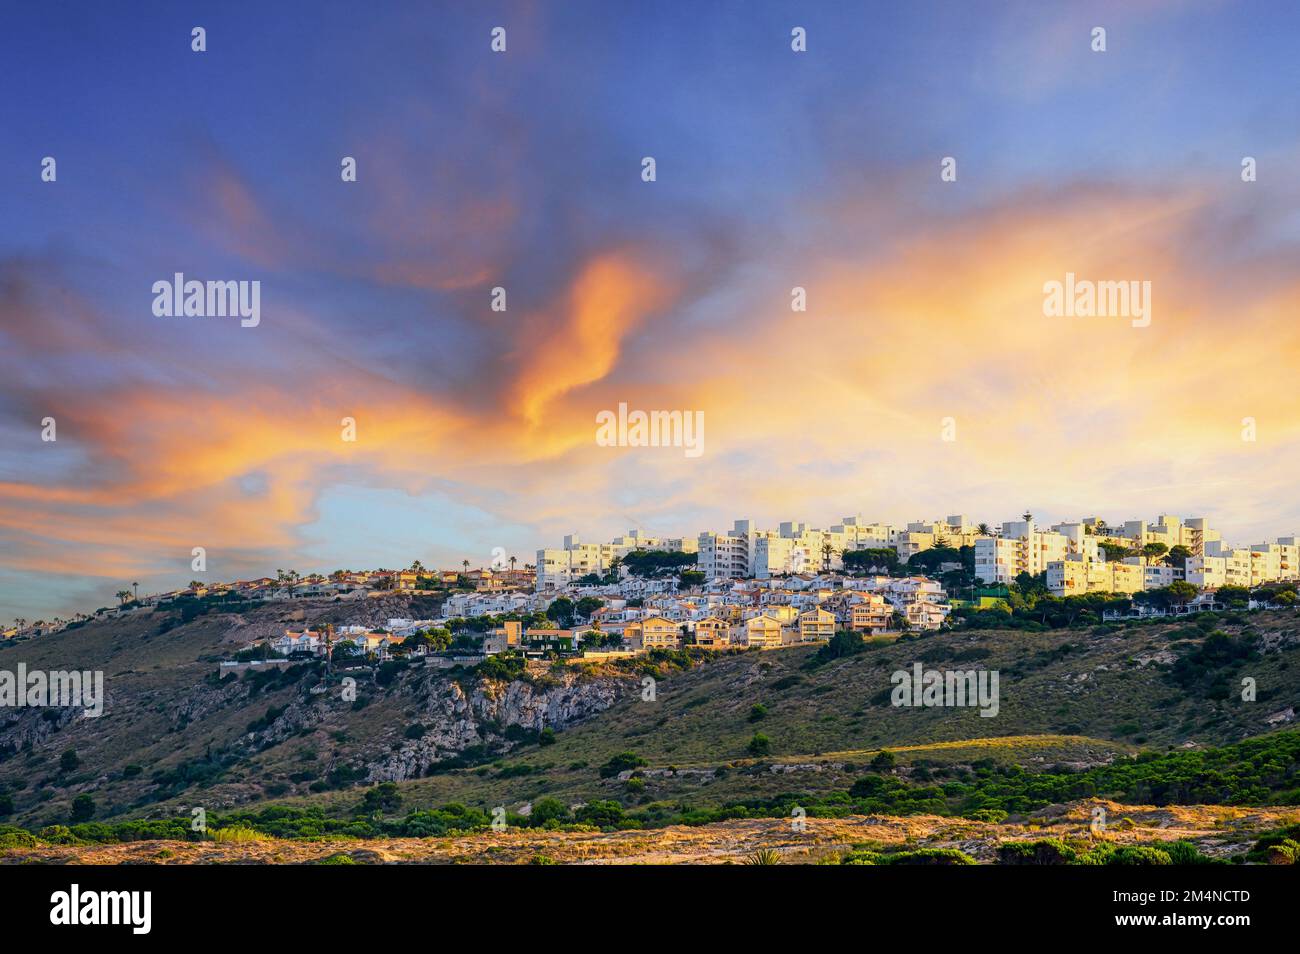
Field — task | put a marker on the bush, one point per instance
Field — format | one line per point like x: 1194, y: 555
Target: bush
x: 884, y: 761
x: 238, y: 834
x: 622, y: 762
x: 549, y: 810
x: 929, y: 856
x: 994, y: 815
x: 83, y: 808
x: 11, y: 837
x: 1284, y: 853
x: 759, y: 745
x: 1138, y: 855
x: 384, y: 797
x: 546, y: 737
x: 602, y: 814
x: 757, y: 712
x: 1049, y: 851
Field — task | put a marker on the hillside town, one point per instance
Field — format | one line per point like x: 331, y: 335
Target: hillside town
x: 752, y: 588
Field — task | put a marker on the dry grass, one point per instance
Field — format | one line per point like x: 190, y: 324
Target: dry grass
x: 1216, y: 830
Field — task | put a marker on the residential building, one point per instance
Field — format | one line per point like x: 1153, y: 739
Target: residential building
x: 816, y: 625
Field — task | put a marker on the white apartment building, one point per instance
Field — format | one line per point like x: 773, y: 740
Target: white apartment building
x: 726, y: 555
x: 1270, y: 562
x: 1194, y: 533
x: 955, y: 531
x: 853, y: 533
x: 1078, y: 574
x: 1022, y: 548
x: 573, y: 561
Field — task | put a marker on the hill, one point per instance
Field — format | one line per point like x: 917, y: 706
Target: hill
x: 175, y: 735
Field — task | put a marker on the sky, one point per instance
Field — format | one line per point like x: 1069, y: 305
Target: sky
x: 522, y: 170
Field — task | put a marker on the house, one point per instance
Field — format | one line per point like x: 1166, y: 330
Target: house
x: 508, y: 636
x: 764, y: 632
x: 713, y: 633
x: 816, y: 625
x: 869, y: 613
x: 306, y: 641
x: 653, y: 632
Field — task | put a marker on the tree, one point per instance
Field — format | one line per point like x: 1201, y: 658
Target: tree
x: 623, y: 762
x: 884, y: 761
x: 1181, y: 592
x: 465, y: 564
x: 871, y: 558
x: 1154, y: 551
x: 1178, y: 556
x: 69, y: 761
x: 561, y: 612
x: 1233, y: 597
x: 384, y: 797
x: 135, y: 591
x: 690, y: 578
x: 1114, y: 551
x: 83, y: 808
x: 122, y: 595
x: 828, y: 552
x: 983, y: 530
x: 549, y: 810
x: 586, y: 606
x: 658, y: 563
x: 928, y: 561
x: 759, y: 745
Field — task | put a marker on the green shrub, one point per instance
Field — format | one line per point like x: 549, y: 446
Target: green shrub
x: 929, y: 856
x: 622, y: 762
x: 1049, y: 851
x: 83, y: 808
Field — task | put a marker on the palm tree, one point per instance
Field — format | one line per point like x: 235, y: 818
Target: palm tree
x: 513, y: 561
x: 465, y: 564
x: 828, y: 551
x: 983, y: 530
x: 136, y: 595
x: 417, y: 567
x: 122, y: 595
x: 1028, y: 516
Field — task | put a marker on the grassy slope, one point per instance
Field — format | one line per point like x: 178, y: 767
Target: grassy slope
x: 1083, y: 706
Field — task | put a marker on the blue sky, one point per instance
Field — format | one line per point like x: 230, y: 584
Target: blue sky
x: 522, y: 170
